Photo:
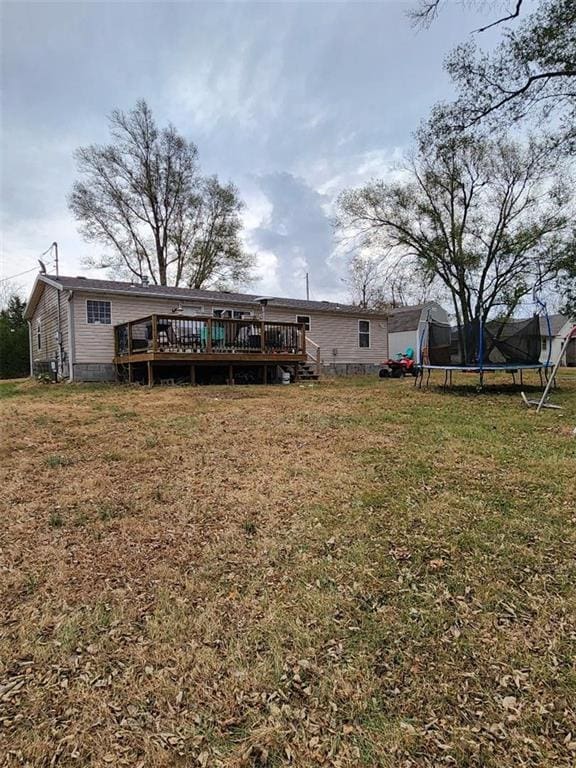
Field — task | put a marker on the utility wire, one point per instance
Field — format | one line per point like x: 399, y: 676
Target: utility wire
x: 12, y: 277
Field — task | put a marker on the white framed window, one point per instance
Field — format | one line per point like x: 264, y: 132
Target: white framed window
x: 305, y: 319
x: 38, y: 335
x: 98, y: 312
x: 364, y: 334
x: 231, y: 314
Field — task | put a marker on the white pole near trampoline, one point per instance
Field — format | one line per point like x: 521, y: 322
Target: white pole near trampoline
x: 563, y: 347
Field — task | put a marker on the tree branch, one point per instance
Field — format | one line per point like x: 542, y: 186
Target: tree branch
x: 504, y: 18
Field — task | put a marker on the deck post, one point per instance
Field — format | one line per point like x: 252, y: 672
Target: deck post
x: 265, y: 374
x: 262, y: 343
x: 130, y: 373
x: 150, y: 374
x: 230, y: 374
x: 296, y: 376
x: 154, y: 333
x: 193, y: 374
x: 129, y: 338
x: 209, y: 335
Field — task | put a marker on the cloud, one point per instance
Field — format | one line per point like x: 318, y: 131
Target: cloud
x: 291, y: 101
x: 298, y: 231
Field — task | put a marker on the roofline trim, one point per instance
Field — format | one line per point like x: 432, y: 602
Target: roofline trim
x: 277, y: 301
x: 32, y: 302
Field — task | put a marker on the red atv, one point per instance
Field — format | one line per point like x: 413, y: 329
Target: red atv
x: 402, y: 365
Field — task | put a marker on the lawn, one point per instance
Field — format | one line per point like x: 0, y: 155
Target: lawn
x: 346, y: 574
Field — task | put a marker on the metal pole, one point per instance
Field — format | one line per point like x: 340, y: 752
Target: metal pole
x: 60, y: 361
x: 307, y: 287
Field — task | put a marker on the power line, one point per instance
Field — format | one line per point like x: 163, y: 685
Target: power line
x: 12, y: 277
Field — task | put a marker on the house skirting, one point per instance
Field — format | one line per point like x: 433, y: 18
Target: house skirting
x: 94, y: 372
x: 106, y: 372
x: 350, y: 369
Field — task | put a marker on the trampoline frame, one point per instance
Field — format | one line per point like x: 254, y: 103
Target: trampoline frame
x: 542, y: 369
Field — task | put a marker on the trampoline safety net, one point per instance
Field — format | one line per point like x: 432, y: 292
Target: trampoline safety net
x: 510, y: 342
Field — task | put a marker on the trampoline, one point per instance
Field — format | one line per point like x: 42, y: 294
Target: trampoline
x: 510, y: 346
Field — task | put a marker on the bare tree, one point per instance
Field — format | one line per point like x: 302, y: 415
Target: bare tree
x: 208, y: 245
x: 9, y: 289
x: 487, y: 219
x: 144, y: 198
x: 364, y: 281
x: 382, y: 281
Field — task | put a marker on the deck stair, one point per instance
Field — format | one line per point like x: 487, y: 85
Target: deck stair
x: 307, y: 372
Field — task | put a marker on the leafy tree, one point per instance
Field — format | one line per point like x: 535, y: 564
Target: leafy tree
x: 532, y: 71
x: 144, y: 198
x: 486, y: 219
x: 14, y: 354
x: 566, y: 284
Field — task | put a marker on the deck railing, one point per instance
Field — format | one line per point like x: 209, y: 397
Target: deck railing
x: 208, y: 335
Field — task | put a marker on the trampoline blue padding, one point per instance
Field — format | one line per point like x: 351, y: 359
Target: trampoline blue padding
x: 512, y: 368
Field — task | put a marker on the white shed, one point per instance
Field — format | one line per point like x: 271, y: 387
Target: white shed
x: 403, y: 324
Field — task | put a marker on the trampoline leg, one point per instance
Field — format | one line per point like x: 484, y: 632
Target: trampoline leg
x: 514, y: 378
x: 428, y: 378
x: 521, y: 377
x: 481, y: 381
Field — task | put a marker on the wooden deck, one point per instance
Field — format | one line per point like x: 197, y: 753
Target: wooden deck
x: 158, y: 341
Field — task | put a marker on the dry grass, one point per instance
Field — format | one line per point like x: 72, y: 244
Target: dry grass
x: 351, y: 574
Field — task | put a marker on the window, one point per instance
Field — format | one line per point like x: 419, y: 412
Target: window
x: 38, y: 335
x: 99, y: 312
x: 232, y: 314
x: 364, y: 333
x: 304, y: 319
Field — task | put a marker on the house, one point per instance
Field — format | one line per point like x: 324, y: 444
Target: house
x: 99, y: 330
x: 404, y: 324
x: 553, y: 337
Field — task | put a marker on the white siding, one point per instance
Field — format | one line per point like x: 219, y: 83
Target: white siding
x: 332, y: 332
x: 556, y: 345
x: 95, y: 343
x: 47, y: 313
x: 337, y: 335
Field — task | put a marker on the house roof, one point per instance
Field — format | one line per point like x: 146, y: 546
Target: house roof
x: 191, y: 294
x: 557, y: 322
x: 405, y: 318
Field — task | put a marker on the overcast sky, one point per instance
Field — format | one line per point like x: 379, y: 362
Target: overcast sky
x: 291, y: 101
